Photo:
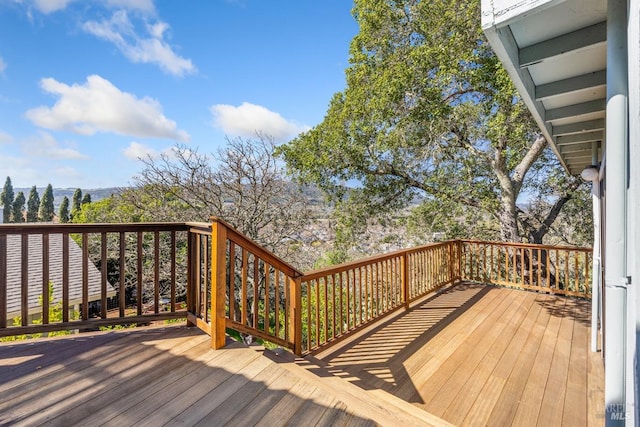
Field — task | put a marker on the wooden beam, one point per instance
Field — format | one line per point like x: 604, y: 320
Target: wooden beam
x: 580, y: 137
x: 575, y: 148
x: 575, y: 110
x: 570, y: 42
x: 573, y: 84
x: 597, y: 124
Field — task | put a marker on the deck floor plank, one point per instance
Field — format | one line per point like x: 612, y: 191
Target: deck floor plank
x: 453, y: 373
x: 473, y: 354
x: 551, y: 410
x: 473, y: 379
x: 462, y: 403
x: 533, y: 355
x: 82, y: 379
x: 529, y: 407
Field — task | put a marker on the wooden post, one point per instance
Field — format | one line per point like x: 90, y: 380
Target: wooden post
x: 218, y: 284
x: 404, y: 279
x: 295, y: 315
x: 191, y: 287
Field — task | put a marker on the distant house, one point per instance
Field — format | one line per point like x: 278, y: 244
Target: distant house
x: 14, y: 274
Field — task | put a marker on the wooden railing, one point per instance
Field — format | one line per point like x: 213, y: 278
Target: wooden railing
x: 250, y: 290
x: 339, y: 300
x: 560, y: 270
x: 85, y: 276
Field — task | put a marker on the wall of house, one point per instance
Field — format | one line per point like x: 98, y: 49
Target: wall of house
x: 633, y: 206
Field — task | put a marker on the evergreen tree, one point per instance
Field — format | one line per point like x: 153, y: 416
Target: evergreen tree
x: 17, y: 214
x: 6, y: 198
x: 86, y: 199
x: 46, y: 212
x: 63, y: 214
x: 76, y: 201
x: 33, y: 205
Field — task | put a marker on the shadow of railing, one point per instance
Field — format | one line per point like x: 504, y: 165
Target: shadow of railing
x: 150, y: 376
x: 375, y: 359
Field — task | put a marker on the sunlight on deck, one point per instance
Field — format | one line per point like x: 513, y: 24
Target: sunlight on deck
x: 477, y: 354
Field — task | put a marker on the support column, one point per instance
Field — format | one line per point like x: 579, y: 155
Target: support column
x: 596, y: 275
x: 616, y: 218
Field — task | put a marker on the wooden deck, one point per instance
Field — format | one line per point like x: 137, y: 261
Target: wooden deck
x: 170, y: 376
x: 483, y: 355
x: 472, y: 355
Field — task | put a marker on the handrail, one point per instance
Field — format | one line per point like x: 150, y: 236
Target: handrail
x: 340, y: 300
x: 57, y: 277
x: 563, y: 270
x: 218, y: 278
x: 253, y: 290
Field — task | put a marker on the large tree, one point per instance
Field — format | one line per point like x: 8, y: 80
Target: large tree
x: 46, y: 211
x: 33, y: 204
x: 429, y: 114
x: 242, y: 183
x: 6, y: 198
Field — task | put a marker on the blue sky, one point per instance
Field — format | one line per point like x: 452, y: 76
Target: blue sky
x: 88, y: 86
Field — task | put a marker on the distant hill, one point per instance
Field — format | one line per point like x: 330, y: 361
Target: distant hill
x: 59, y: 193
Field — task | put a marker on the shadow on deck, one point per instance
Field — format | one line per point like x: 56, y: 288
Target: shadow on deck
x: 155, y: 377
x: 478, y: 354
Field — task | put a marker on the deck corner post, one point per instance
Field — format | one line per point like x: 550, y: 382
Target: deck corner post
x: 404, y: 279
x: 218, y: 282
x: 295, y: 314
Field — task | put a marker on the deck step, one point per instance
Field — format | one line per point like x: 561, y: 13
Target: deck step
x: 378, y: 404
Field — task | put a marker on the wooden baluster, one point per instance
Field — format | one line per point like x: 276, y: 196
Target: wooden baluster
x: 45, y: 279
x: 243, y: 291
x: 24, y: 282
x: 295, y: 314
x: 140, y: 256
x: 3, y: 281
x: 103, y: 274
x: 65, y: 277
x: 156, y: 271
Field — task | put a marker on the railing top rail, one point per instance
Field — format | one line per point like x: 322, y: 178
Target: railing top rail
x: 201, y: 227
x: 528, y: 245
x: 257, y: 249
x: 314, y: 274
x: 39, y: 228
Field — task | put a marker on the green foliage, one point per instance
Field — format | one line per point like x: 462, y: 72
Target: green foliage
x: 76, y: 201
x: 55, y: 316
x: 428, y: 113
x: 33, y: 204
x: 63, y: 213
x: 86, y: 199
x: 17, y: 211
x: 6, y: 198
x: 46, y: 211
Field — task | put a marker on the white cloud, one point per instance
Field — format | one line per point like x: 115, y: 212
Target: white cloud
x: 247, y: 119
x: 139, y: 49
x: 136, y: 151
x: 141, y: 5
x: 67, y: 172
x: 50, y: 6
x: 5, y: 138
x: 99, y: 106
x: 45, y: 145
x: 3, y: 65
